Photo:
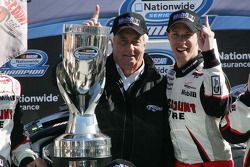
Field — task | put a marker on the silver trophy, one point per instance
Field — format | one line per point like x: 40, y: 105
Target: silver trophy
x: 81, y: 79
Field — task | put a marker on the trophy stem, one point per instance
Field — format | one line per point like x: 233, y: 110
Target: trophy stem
x: 81, y: 100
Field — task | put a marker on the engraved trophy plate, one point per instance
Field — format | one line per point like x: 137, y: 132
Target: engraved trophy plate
x: 81, y: 80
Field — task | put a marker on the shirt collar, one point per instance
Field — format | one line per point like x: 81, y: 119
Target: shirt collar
x: 127, y: 81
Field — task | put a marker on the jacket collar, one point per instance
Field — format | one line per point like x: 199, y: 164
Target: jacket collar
x: 149, y: 73
x: 192, y: 64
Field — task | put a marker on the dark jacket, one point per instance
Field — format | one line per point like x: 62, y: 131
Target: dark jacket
x: 136, y: 119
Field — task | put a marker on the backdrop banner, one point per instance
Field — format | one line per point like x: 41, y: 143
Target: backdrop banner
x: 235, y: 56
x: 35, y: 68
x: 36, y: 71
x: 13, y: 29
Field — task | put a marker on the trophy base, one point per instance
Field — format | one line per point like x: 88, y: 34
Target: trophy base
x: 85, y: 141
x: 81, y: 162
x: 82, y: 146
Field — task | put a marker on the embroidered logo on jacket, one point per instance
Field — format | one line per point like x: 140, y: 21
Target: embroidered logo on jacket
x: 6, y: 114
x: 179, y: 109
x: 197, y: 74
x: 7, y: 98
x: 188, y: 93
x: 216, y: 85
x: 187, y: 85
x: 153, y: 108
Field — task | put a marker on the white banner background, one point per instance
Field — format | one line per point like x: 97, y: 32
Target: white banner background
x: 13, y: 29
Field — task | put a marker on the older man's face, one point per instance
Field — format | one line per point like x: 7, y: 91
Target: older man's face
x: 128, y: 50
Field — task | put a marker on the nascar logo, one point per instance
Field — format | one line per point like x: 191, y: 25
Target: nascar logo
x: 28, y: 64
x: 163, y: 59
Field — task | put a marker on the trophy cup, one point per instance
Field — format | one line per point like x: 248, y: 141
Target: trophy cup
x: 81, y: 79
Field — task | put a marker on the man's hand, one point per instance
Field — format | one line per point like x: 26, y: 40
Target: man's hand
x: 206, y: 37
x: 37, y: 163
x: 94, y: 20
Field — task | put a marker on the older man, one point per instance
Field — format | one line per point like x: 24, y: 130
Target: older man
x: 133, y: 109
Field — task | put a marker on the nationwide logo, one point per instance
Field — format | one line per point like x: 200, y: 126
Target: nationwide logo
x: 155, y: 10
x: 163, y: 59
x: 29, y: 64
x: 31, y: 103
x: 39, y: 98
x: 156, y: 13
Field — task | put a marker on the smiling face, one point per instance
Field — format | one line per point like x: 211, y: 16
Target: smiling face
x: 128, y: 50
x: 184, y: 43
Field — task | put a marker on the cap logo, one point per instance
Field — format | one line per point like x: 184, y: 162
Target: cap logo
x: 127, y: 20
x: 184, y: 16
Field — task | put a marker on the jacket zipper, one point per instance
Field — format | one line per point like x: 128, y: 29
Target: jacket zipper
x: 120, y: 85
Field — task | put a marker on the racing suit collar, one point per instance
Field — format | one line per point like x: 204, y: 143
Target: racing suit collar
x: 180, y: 72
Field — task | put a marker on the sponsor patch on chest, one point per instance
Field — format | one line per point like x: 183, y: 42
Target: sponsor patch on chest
x: 153, y: 108
x: 188, y: 93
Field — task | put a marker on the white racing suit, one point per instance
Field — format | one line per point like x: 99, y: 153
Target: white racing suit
x: 235, y: 126
x: 13, y: 143
x: 198, y: 97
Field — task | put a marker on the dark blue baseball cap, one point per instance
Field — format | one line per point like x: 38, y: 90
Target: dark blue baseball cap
x: 187, y: 17
x: 131, y: 20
